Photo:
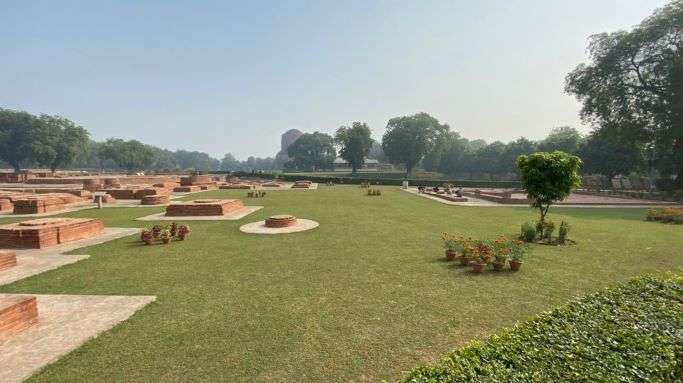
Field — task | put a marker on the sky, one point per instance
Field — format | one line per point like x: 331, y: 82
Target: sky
x: 231, y: 77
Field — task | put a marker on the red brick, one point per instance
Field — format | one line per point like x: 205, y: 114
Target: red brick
x: 204, y: 207
x: 45, y: 232
x: 17, y: 312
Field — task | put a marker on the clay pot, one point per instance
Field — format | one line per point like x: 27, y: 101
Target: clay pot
x: 166, y: 240
x: 515, y: 265
x: 478, y: 267
x: 451, y: 255
x: 465, y: 261
x: 148, y: 241
x: 498, y: 266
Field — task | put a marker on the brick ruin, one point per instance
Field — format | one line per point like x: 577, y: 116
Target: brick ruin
x: 197, y: 180
x: 236, y: 186
x: 17, y: 313
x: 279, y: 221
x: 158, y: 199
x: 303, y: 184
x: 186, y: 189
x: 7, y: 259
x: 45, y: 232
x: 204, y: 207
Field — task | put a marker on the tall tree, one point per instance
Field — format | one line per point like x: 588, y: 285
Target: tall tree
x: 230, y: 163
x: 130, y: 155
x: 65, y: 140
x: 408, y: 138
x: 605, y: 154
x: 312, y: 151
x: 21, y: 138
x: 354, y: 144
x: 633, y: 83
x: 564, y: 138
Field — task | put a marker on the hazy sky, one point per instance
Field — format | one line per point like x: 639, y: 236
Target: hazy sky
x: 231, y: 77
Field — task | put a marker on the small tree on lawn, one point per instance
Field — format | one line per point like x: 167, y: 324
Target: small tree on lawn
x: 548, y: 177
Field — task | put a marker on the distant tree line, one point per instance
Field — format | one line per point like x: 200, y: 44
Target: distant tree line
x: 54, y: 142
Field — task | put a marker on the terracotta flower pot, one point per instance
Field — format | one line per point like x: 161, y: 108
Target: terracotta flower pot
x: 515, y: 265
x: 451, y: 255
x: 498, y: 266
x: 478, y: 267
x: 166, y: 240
x: 465, y: 261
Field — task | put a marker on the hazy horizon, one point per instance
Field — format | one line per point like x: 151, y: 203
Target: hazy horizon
x: 222, y: 78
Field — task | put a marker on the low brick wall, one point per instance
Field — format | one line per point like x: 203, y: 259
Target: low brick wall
x: 203, y: 207
x: 17, y: 312
x: 159, y: 199
x: 37, y: 204
x: 235, y: 186
x: 7, y: 259
x: 186, y: 189
x: 277, y: 221
x: 447, y: 197
x: 45, y: 232
x: 196, y: 180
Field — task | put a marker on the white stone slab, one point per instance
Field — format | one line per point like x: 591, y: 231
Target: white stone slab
x: 64, y: 323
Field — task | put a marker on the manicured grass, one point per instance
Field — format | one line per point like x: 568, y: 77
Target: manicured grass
x: 366, y: 296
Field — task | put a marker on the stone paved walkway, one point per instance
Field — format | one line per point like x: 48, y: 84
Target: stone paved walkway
x: 64, y: 323
x: 35, y: 261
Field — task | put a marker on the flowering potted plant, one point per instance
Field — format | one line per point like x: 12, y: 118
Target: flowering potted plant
x: 517, y: 250
x: 173, y: 229
x: 468, y: 249
x: 156, y: 231
x: 165, y: 236
x: 147, y: 236
x: 501, y: 252
x: 452, y: 244
x: 183, y: 232
x: 482, y: 256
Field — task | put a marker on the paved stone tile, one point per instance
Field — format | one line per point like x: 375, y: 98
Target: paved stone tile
x: 64, y: 323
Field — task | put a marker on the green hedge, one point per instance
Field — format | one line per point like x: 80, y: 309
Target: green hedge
x: 630, y: 333
x: 382, y: 181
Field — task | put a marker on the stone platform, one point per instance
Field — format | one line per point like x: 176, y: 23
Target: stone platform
x: 17, y: 313
x: 203, y: 207
x: 261, y: 228
x: 7, y: 259
x: 45, y: 232
x: 66, y: 322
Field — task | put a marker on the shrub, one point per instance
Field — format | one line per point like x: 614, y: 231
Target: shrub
x: 666, y: 215
x: 452, y: 242
x: 528, y: 233
x: 548, y: 229
x: 563, y: 232
x: 374, y: 192
x: 629, y: 333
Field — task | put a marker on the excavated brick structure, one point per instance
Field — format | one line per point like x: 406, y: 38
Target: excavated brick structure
x: 46, y: 232
x: 17, y: 313
x: 204, y: 207
x: 7, y: 259
x: 277, y: 221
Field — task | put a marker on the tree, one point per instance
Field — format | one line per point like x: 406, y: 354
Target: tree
x: 312, y: 151
x: 548, y: 178
x: 130, y: 155
x: 376, y: 152
x: 633, y: 85
x: 21, y: 141
x: 65, y: 140
x: 408, y: 138
x: 564, y: 138
x: 513, y: 150
x: 230, y: 163
x: 355, y: 143
x: 604, y: 154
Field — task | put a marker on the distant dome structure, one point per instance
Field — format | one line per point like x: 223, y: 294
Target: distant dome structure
x: 286, y: 140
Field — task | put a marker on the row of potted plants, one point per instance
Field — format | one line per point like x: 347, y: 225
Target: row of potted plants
x: 374, y: 192
x: 480, y: 254
x: 165, y: 234
x: 542, y: 232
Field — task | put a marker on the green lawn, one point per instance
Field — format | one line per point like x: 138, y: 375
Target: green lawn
x: 366, y: 296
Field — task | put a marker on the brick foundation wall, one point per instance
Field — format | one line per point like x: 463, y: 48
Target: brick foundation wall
x: 204, y: 208
x: 17, y: 313
x: 281, y: 221
x: 160, y: 199
x: 45, y: 232
x: 7, y: 259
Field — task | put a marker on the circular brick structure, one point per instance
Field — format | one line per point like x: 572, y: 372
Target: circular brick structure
x: 284, y: 220
x: 261, y: 228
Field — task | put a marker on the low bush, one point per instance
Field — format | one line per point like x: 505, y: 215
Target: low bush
x: 528, y: 232
x: 374, y: 192
x: 666, y: 215
x: 629, y: 333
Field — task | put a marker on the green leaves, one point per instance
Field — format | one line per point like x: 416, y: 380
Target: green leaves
x: 630, y: 333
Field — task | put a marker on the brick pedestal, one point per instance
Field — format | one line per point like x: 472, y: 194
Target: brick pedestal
x: 37, y: 204
x: 17, y: 312
x: 281, y: 221
x: 45, y: 232
x: 204, y: 207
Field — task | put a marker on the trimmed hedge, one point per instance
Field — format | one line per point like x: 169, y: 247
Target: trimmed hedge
x: 382, y: 181
x: 630, y: 333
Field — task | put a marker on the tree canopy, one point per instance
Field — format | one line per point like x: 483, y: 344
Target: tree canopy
x: 312, y: 151
x: 408, y: 138
x: 632, y: 88
x: 354, y: 143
